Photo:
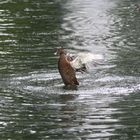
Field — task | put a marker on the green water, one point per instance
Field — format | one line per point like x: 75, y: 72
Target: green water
x: 33, y: 103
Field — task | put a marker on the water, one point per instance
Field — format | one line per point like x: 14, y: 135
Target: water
x: 33, y: 103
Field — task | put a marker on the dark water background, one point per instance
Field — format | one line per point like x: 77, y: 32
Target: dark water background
x: 33, y: 103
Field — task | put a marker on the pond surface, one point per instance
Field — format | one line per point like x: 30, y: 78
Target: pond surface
x: 33, y: 103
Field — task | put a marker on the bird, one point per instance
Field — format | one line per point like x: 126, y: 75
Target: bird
x: 66, y: 71
x: 69, y: 64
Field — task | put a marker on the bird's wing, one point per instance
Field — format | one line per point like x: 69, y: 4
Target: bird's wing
x: 83, y: 58
x: 88, y: 57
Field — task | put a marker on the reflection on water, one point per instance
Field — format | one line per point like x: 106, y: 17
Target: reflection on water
x: 126, y: 38
x: 29, y: 31
x: 33, y: 102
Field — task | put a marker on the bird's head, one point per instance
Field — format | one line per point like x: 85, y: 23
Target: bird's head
x: 60, y: 51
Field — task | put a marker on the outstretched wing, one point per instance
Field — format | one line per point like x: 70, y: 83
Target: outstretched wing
x: 83, y: 58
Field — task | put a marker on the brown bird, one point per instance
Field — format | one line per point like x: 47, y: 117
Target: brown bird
x: 66, y: 71
x: 69, y: 64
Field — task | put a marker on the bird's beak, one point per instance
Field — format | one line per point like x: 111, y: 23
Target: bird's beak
x: 55, y: 53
